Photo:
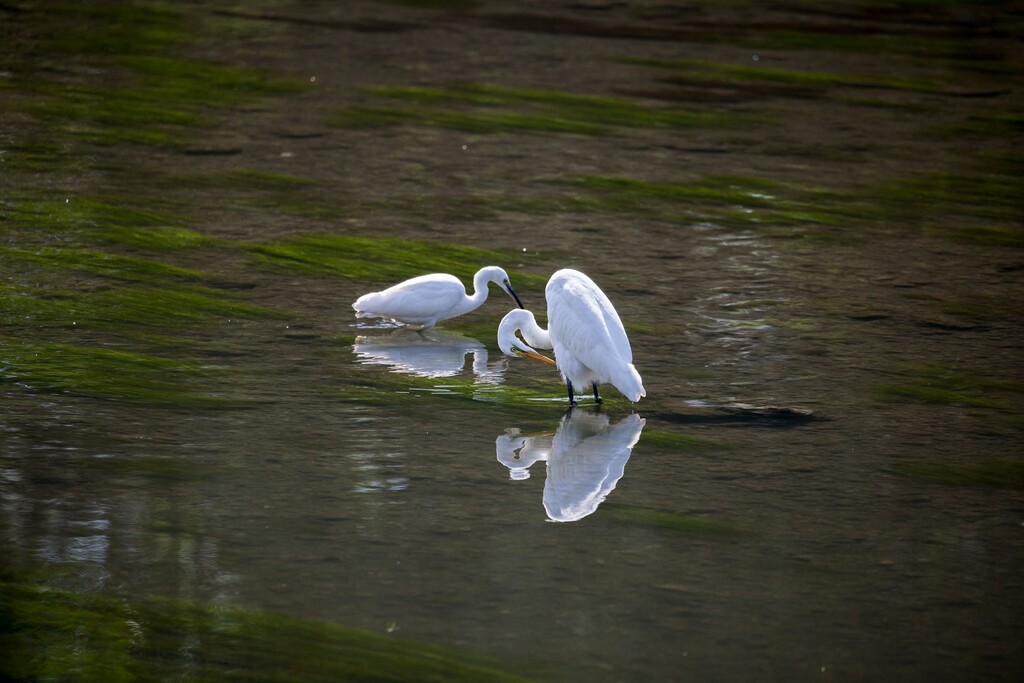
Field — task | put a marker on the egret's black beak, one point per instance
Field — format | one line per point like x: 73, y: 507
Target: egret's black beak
x: 513, y: 294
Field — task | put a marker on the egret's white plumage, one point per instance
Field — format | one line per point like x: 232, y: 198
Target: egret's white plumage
x: 587, y: 336
x: 426, y: 300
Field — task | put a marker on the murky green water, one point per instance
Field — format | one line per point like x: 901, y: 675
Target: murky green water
x: 809, y: 219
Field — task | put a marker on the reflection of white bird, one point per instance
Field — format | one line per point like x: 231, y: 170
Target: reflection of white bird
x: 585, y: 332
x: 518, y: 453
x: 425, y: 300
x: 585, y: 460
x: 430, y: 353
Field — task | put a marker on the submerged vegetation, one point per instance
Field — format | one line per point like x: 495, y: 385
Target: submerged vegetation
x: 979, y: 208
x: 69, y: 215
x: 150, y: 96
x: 50, y: 633
x: 496, y: 108
x: 151, y: 259
x: 709, y: 71
x: 988, y: 472
x: 97, y: 294
x: 105, y: 373
x: 670, y: 521
x: 381, y: 259
x: 950, y: 386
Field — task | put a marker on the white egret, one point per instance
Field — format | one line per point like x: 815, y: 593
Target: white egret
x: 426, y: 300
x: 585, y: 332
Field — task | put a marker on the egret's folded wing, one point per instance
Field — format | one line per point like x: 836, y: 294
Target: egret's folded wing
x: 582, y: 318
x: 418, y: 298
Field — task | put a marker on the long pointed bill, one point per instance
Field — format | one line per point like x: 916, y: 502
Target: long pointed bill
x: 512, y: 293
x: 533, y: 355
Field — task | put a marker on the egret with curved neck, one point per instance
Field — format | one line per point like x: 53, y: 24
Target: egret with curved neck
x: 585, y: 332
x: 426, y: 300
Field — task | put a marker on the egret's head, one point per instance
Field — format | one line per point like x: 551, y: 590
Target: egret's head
x: 511, y: 292
x: 510, y: 343
x: 498, y: 276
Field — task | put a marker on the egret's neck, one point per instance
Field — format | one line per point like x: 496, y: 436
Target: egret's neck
x: 480, y: 288
x: 535, y: 335
x: 471, y: 302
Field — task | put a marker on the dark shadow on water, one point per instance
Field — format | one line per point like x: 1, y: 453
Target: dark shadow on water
x: 737, y: 415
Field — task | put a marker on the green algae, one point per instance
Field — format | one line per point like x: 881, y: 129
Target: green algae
x: 118, y: 308
x: 115, y: 266
x: 689, y: 525
x: 941, y: 385
x: 674, y: 440
x: 113, y: 115
x: 718, y: 189
x: 450, y: 5
x: 717, y: 70
x: 926, y: 203
x: 148, y: 95
x: 999, y: 124
x: 70, y: 212
x: 524, y: 109
x: 777, y: 209
x: 980, y: 195
x: 248, y: 179
x: 51, y: 633
x: 117, y: 28
x: 983, y: 306
x: 938, y: 395
x: 174, y: 97
x: 958, y: 377
x: 97, y: 310
x: 988, y: 472
x: 164, y: 237
x: 50, y: 367
x: 922, y: 203
x: 382, y: 259
x: 369, y: 117
x: 194, y: 82
x: 266, y: 191
x: 598, y: 110
x: 39, y: 157
x: 98, y: 220
x: 989, y: 235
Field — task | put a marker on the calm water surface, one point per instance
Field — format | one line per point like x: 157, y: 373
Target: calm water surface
x: 398, y: 482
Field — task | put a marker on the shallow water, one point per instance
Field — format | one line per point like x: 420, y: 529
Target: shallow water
x: 819, y: 272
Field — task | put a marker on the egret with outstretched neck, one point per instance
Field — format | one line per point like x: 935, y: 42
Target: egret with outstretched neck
x: 426, y: 300
x: 585, y: 332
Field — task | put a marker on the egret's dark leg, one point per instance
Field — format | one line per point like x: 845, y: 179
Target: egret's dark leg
x: 597, y: 397
x: 572, y: 399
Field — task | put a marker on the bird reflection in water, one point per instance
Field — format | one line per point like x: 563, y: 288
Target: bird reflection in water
x: 585, y: 457
x: 428, y: 353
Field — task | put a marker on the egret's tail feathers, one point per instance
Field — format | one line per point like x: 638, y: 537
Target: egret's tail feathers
x: 629, y: 383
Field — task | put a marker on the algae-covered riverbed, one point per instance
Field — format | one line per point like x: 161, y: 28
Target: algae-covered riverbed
x: 807, y: 215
